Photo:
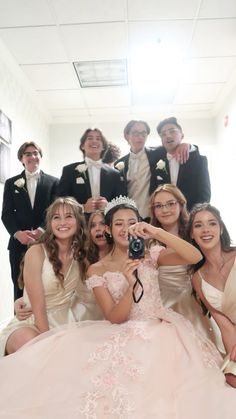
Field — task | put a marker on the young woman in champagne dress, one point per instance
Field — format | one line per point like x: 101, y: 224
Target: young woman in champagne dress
x: 53, y: 268
x: 215, y: 277
x: 168, y: 211
x: 143, y: 361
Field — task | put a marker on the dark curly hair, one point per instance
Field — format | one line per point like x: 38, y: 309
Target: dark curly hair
x: 86, y: 134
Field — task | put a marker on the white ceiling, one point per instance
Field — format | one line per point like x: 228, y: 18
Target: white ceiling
x: 192, y: 41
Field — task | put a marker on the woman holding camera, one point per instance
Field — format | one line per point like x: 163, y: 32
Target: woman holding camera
x: 150, y: 363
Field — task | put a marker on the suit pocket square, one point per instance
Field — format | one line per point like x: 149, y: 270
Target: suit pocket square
x: 79, y: 180
x: 16, y: 191
x: 159, y: 178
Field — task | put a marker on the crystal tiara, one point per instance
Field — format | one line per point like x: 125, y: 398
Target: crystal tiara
x: 119, y: 201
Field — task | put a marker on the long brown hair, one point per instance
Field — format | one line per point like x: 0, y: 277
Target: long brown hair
x: 51, y: 246
x: 225, y: 239
x: 180, y: 198
x: 92, y: 248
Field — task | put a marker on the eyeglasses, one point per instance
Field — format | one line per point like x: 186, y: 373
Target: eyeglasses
x: 31, y: 153
x: 169, y: 205
x: 170, y: 131
x: 137, y: 133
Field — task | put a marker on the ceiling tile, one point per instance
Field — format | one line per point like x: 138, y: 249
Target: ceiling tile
x: 208, y: 70
x: 34, y: 45
x: 25, y: 13
x: 76, y: 11
x: 157, y: 9
x: 104, y: 97
x: 103, y: 41
x: 214, y: 38
x: 217, y: 9
x: 52, y: 76
x: 60, y: 99
x: 198, y: 93
x: 159, y: 35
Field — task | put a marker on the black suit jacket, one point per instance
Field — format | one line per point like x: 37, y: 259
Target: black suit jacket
x: 17, y: 212
x: 193, y: 177
x: 76, y: 184
x: 153, y: 156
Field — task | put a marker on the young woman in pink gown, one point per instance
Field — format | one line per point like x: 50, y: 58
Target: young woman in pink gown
x: 143, y: 361
x: 215, y: 277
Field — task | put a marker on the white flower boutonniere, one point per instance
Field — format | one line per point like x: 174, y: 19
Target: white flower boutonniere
x: 81, y: 168
x: 20, y: 183
x: 161, y: 165
x: 121, y: 167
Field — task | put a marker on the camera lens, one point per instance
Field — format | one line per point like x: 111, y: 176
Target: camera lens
x: 136, y: 248
x: 136, y: 245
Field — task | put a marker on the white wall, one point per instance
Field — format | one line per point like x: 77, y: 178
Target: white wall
x: 28, y: 123
x: 225, y: 164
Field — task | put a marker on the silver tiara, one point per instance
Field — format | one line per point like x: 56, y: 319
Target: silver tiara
x: 119, y: 201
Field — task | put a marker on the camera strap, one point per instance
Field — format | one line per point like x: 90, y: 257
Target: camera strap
x: 136, y: 285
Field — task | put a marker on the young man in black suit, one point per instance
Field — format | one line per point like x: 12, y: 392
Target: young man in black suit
x: 25, y: 200
x: 91, y: 181
x: 139, y: 167
x: 192, y: 177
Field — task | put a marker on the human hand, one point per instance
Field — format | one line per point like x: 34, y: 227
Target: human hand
x: 182, y: 153
x: 35, y: 234
x: 24, y: 236
x: 101, y: 203
x: 90, y: 205
x: 22, y: 312
x: 130, y: 266
x: 142, y: 229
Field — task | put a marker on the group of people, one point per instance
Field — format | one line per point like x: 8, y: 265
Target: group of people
x: 112, y: 335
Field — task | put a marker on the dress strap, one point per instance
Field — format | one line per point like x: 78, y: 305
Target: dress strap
x: 44, y: 251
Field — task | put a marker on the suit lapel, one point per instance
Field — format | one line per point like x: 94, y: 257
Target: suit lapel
x: 180, y: 174
x: 39, y: 189
x: 104, y: 181
x: 26, y: 193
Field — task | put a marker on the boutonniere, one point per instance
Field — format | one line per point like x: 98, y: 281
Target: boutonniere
x: 81, y: 168
x: 20, y: 183
x: 121, y: 167
x: 161, y: 165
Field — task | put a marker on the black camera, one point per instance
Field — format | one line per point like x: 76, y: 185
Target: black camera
x: 136, y: 247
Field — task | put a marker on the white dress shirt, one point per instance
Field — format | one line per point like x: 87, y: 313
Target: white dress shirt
x: 32, y: 180
x: 94, y: 170
x: 138, y: 177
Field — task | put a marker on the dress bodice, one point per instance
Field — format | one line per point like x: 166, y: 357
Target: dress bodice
x: 57, y: 295
x: 224, y: 301
x: 116, y: 283
x: 212, y: 294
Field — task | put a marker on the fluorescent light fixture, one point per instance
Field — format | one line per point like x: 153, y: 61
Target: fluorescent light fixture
x: 101, y: 73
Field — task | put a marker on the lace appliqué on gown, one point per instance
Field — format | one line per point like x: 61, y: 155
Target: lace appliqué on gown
x: 117, y: 362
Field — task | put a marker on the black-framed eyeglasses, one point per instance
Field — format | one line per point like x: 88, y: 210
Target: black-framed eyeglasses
x: 169, y: 205
x: 31, y: 153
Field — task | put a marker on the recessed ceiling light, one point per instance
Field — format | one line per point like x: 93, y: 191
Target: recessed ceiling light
x: 101, y: 73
